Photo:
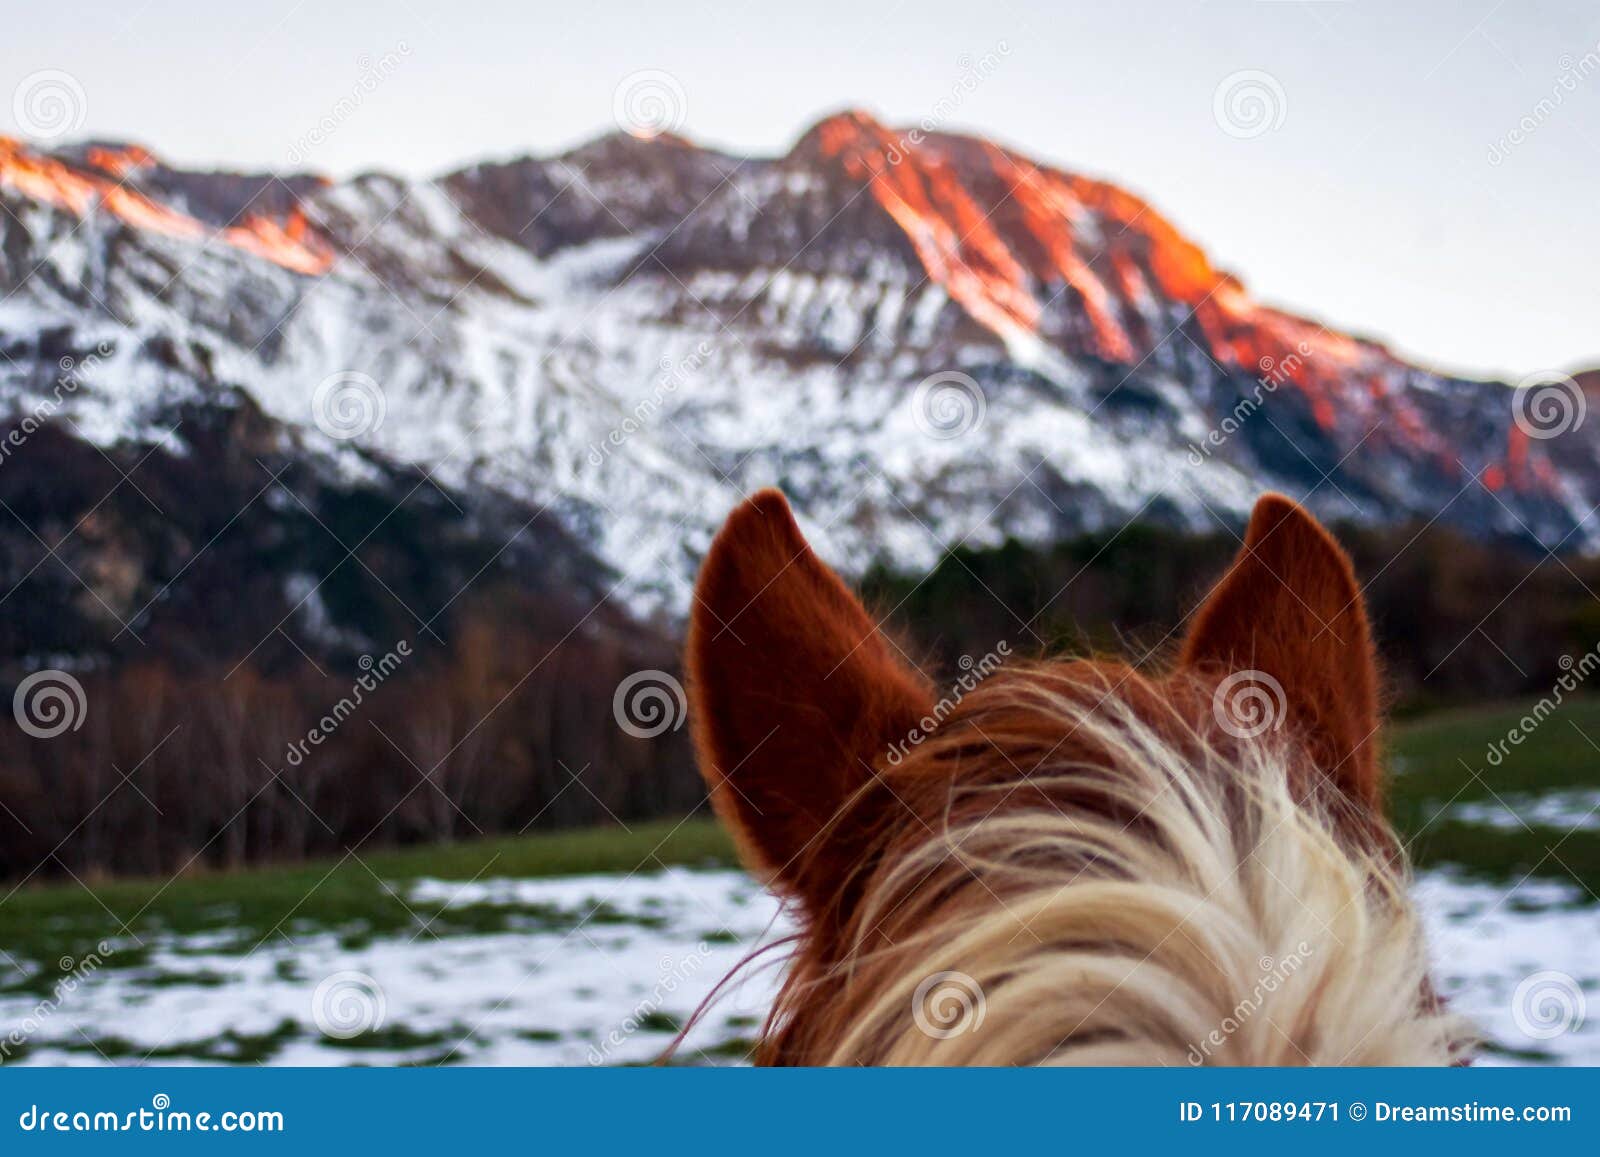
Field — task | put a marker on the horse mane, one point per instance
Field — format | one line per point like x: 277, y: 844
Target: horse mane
x: 1071, y: 862
x: 1151, y: 893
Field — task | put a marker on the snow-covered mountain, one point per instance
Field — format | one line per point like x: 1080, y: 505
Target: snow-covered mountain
x: 925, y: 339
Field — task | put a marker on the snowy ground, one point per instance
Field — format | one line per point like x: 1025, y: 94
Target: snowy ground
x: 603, y: 969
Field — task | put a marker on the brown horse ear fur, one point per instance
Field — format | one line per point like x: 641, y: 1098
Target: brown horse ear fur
x: 1290, y: 607
x: 795, y: 695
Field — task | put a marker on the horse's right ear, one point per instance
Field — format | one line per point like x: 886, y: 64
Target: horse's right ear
x: 795, y: 696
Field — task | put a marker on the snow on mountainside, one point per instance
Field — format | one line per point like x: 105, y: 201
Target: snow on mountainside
x: 924, y: 339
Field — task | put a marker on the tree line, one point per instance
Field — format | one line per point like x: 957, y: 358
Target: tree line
x: 509, y: 722
x: 508, y: 726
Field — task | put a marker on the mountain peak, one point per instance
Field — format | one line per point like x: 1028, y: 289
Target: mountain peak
x: 94, y: 179
x: 841, y: 314
x: 621, y: 145
x: 1034, y: 253
x: 842, y: 124
x: 857, y: 139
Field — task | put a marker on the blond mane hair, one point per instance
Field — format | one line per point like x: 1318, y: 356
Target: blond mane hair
x: 1168, y: 902
x: 1071, y: 862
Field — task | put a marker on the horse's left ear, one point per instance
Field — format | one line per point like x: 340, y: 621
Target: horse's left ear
x: 795, y: 697
x: 1290, y: 608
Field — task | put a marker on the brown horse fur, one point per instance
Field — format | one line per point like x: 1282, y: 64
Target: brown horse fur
x: 1104, y: 858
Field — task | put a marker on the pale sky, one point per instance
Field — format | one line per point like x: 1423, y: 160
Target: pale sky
x: 1385, y: 195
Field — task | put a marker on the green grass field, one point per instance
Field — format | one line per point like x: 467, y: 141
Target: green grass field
x: 1438, y: 761
x: 354, y: 895
x: 1442, y: 760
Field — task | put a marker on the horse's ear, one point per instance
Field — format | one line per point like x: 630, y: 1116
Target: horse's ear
x: 1290, y: 608
x: 795, y: 695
